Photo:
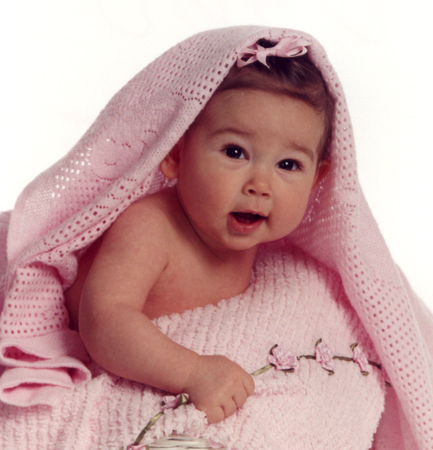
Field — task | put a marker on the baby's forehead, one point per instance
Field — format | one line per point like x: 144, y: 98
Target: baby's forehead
x: 229, y: 102
x: 254, y: 118
x: 252, y: 102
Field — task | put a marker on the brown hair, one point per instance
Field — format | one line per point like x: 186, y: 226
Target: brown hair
x: 297, y: 77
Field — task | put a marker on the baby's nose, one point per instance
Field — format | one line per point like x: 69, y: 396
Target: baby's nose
x: 259, y: 190
x: 258, y: 184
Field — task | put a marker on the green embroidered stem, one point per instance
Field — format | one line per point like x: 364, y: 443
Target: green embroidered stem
x: 273, y: 348
x: 375, y: 364
x: 342, y: 358
x: 306, y: 357
x: 183, y: 400
x: 148, y: 427
x: 262, y: 370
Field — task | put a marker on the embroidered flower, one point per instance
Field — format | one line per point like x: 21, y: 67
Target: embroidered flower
x: 279, y: 359
x: 360, y: 359
x: 282, y: 359
x: 324, y: 356
x: 173, y: 401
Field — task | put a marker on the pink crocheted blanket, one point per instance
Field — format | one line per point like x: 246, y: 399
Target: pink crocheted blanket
x: 115, y: 163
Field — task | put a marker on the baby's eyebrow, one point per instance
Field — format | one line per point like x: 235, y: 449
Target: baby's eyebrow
x: 232, y: 130
x: 302, y: 149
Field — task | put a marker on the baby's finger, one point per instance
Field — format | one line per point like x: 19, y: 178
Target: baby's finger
x: 229, y: 408
x: 249, y: 385
x: 215, y: 415
x: 240, y: 398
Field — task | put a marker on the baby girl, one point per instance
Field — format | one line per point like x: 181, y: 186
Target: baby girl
x: 211, y: 212
x: 244, y: 172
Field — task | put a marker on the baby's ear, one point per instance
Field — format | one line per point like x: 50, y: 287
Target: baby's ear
x: 170, y: 164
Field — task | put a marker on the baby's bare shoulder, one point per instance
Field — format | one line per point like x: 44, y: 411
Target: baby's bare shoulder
x: 129, y: 258
x: 133, y: 253
x: 145, y: 220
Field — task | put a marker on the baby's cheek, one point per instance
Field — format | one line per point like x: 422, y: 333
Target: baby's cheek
x: 291, y: 211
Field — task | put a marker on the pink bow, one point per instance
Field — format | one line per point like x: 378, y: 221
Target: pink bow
x: 286, y: 48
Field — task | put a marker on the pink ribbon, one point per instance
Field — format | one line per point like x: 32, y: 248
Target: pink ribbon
x: 286, y: 48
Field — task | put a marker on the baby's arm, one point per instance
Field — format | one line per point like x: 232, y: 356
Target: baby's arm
x: 123, y: 340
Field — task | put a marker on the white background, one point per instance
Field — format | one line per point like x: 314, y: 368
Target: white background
x: 61, y: 61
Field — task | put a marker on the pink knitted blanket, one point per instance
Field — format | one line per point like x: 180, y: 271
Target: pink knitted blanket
x: 67, y: 207
x: 292, y: 301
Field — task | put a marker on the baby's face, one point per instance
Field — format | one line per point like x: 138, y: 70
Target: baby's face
x: 247, y: 167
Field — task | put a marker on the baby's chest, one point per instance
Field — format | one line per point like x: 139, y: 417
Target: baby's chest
x: 192, y: 283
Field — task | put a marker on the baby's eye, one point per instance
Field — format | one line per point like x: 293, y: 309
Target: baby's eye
x: 288, y: 164
x: 233, y: 151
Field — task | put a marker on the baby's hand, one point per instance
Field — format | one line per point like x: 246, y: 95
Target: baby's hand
x: 218, y: 386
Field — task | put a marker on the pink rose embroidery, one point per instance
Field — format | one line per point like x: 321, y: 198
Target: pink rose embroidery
x: 282, y: 359
x: 324, y: 356
x: 360, y: 359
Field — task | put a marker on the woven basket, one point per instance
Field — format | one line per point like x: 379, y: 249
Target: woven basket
x: 181, y: 442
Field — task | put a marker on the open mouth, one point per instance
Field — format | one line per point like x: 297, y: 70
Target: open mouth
x: 247, y: 217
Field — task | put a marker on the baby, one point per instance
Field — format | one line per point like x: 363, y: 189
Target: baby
x: 209, y: 153
x: 245, y: 170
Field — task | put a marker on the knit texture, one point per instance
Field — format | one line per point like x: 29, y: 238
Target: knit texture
x: 115, y: 163
x: 307, y: 408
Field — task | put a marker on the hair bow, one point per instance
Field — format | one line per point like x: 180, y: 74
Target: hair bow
x: 286, y: 48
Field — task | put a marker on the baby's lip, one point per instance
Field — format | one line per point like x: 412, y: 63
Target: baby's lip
x: 248, y: 216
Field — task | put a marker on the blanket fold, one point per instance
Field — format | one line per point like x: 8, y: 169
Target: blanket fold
x: 41, y: 367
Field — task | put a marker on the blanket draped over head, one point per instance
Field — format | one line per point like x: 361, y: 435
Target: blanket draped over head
x: 115, y: 163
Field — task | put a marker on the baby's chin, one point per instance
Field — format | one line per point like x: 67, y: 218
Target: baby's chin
x: 234, y: 243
